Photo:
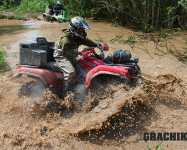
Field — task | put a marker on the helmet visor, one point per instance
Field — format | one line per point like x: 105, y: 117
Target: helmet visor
x: 85, y: 25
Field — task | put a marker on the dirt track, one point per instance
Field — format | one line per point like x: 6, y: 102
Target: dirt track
x: 113, y: 124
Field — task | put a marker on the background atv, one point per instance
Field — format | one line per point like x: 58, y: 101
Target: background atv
x: 36, y: 61
x: 49, y: 15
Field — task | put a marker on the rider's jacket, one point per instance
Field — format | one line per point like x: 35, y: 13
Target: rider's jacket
x: 68, y: 45
x: 58, y: 7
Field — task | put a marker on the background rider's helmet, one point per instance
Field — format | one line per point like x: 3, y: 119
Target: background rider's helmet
x: 78, y: 26
x: 58, y: 3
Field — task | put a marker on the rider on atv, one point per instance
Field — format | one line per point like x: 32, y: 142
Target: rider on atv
x: 67, y: 48
x: 58, y: 8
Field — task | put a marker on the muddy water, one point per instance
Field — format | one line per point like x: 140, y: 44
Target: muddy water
x: 118, y: 121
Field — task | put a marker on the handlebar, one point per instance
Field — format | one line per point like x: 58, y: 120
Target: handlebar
x: 86, y: 51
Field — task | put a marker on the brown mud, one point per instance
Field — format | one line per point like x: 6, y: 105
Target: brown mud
x: 115, y: 120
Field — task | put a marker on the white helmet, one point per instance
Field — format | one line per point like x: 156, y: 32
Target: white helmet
x: 58, y: 3
x: 77, y: 26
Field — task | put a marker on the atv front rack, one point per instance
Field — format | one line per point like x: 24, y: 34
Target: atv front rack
x: 130, y: 65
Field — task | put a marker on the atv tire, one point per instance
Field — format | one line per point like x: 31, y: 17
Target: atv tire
x: 32, y: 89
x: 44, y: 17
x: 48, y: 18
x: 80, y: 93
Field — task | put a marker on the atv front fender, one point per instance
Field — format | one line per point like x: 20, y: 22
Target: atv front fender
x: 46, y: 76
x: 103, y: 69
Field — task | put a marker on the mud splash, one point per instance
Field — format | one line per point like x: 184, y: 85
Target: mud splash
x: 50, y: 123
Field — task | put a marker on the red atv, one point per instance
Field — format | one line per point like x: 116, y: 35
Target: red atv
x: 90, y: 65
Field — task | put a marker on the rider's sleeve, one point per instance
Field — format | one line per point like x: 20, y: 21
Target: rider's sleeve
x: 67, y: 50
x: 89, y: 43
x: 62, y: 8
x: 55, y: 8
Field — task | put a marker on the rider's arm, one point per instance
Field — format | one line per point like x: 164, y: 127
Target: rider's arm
x: 62, y: 8
x: 89, y: 43
x: 68, y: 50
x: 54, y: 8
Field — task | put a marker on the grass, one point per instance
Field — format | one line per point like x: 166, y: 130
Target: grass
x: 3, y: 63
x: 157, y: 148
x: 118, y: 39
x: 12, y: 16
x: 33, y: 15
x: 130, y: 40
x: 19, y: 13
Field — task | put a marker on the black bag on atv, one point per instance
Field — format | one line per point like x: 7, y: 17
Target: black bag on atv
x: 121, y: 56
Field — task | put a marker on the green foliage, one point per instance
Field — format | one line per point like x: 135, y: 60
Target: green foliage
x: 33, y: 15
x: 148, y: 28
x: 3, y: 64
x: 130, y: 40
x: 34, y: 5
x: 145, y: 15
x: 19, y: 13
x: 183, y: 3
x: 157, y: 148
x: 170, y: 9
x: 116, y: 24
x: 26, y: 5
x: 79, y: 7
x: 1, y: 16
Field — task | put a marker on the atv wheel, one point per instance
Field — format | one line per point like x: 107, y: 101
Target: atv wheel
x: 80, y: 93
x: 48, y: 18
x: 32, y: 89
x: 45, y: 18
